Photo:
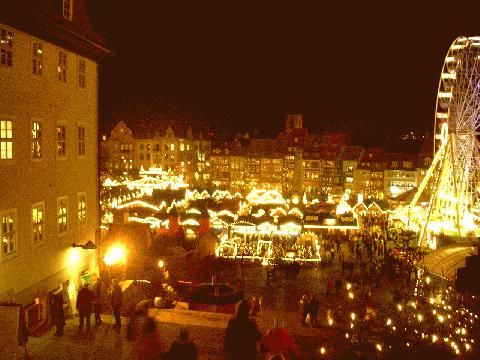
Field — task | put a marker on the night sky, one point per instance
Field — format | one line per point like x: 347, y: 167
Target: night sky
x: 243, y: 65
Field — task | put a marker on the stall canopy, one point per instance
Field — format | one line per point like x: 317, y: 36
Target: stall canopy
x: 445, y: 261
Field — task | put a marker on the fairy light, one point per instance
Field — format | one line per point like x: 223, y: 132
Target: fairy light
x: 399, y: 307
x: 434, y: 338
x: 389, y: 322
x: 349, y: 286
x: 420, y: 317
x: 379, y: 347
x: 330, y: 321
x: 347, y: 335
x: 441, y: 318
x: 322, y: 350
x: 352, y: 315
x: 350, y: 295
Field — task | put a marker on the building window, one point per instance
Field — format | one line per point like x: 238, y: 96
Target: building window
x: 36, y: 140
x: 61, y: 141
x: 82, y: 209
x: 37, y: 223
x: 37, y: 58
x: 62, y: 66
x: 8, y: 231
x: 62, y: 208
x: 81, y: 141
x: 67, y: 9
x: 82, y: 72
x: 6, y: 139
x: 6, y: 47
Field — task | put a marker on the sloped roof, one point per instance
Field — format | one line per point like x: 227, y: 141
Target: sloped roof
x: 407, y: 196
x: 446, y: 260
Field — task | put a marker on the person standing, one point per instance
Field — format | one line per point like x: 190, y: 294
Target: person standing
x: 303, y: 304
x: 242, y: 335
x: 58, y: 316
x: 116, y: 298
x: 84, y: 305
x: 313, y: 310
x: 98, y: 290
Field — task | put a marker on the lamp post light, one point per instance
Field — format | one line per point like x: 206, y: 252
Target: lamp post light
x: 161, y: 264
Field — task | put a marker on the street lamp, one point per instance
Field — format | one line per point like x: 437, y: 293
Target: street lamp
x: 161, y: 264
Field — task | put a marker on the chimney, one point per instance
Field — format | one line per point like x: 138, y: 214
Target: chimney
x: 293, y: 121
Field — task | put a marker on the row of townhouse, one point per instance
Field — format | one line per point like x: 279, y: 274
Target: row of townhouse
x: 49, y: 57
x: 368, y: 171
x: 293, y: 162
x: 299, y: 162
x: 156, y: 144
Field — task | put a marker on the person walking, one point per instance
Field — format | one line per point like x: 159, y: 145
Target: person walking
x: 303, y: 304
x: 98, y: 290
x: 116, y: 298
x: 149, y: 343
x: 85, y: 298
x: 241, y: 335
x: 182, y: 348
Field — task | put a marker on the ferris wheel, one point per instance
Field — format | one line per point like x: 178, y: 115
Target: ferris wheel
x: 453, y: 177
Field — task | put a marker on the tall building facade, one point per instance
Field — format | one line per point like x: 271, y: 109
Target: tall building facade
x: 156, y: 145
x: 49, y: 58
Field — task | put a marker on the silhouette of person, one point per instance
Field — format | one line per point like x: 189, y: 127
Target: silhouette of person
x: 182, y: 348
x: 85, y: 298
x: 242, y: 335
x: 116, y: 297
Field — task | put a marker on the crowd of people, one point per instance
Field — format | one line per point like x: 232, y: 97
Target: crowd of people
x: 90, y: 299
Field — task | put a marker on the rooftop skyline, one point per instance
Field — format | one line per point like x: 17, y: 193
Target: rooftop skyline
x: 242, y: 67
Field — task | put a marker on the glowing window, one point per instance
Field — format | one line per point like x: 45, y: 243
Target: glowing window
x: 62, y: 67
x: 6, y: 139
x: 8, y: 232
x: 37, y: 223
x: 62, y: 209
x: 37, y: 145
x: 82, y: 208
x: 37, y: 58
x: 61, y: 142
x: 6, y: 47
